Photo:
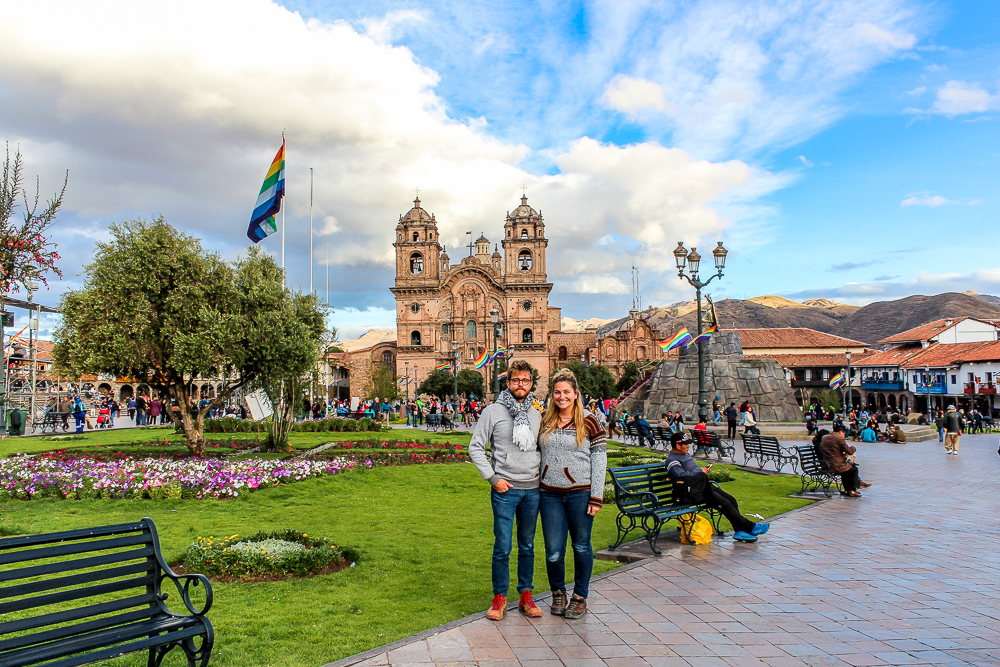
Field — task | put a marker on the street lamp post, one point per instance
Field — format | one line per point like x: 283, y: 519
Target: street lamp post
x: 927, y: 389
x: 693, y: 261
x: 495, y: 318
x: 847, y: 403
x: 406, y: 374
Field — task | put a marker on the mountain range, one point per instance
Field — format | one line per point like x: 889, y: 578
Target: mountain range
x: 867, y: 324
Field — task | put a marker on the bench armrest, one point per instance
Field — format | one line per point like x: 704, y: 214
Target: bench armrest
x: 185, y: 592
x: 640, y: 497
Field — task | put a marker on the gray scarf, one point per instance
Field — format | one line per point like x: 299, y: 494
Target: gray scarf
x: 519, y: 413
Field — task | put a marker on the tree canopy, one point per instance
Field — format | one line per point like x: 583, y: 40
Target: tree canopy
x: 630, y: 375
x: 595, y: 381
x: 156, y: 307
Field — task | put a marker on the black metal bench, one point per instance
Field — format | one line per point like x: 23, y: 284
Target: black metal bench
x: 813, y: 472
x: 764, y: 448
x: 102, y: 589
x: 51, y: 420
x: 710, y: 441
x: 662, y: 435
x: 630, y: 433
x: 645, y: 498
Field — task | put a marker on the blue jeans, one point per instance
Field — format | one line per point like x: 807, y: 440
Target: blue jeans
x: 81, y: 420
x: 941, y: 434
x: 562, y: 513
x: 521, y: 504
x: 715, y: 418
x: 646, y: 434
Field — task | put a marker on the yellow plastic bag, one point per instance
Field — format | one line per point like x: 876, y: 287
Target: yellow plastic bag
x: 695, y: 529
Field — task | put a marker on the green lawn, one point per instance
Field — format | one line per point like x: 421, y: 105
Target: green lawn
x: 423, y: 534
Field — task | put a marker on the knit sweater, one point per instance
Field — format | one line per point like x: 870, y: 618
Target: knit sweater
x: 567, y: 466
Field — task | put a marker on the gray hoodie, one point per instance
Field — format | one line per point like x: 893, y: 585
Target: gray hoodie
x: 504, y: 460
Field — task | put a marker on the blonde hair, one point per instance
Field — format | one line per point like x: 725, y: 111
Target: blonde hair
x: 550, y: 420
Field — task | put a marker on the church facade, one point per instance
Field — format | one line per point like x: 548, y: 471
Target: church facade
x: 444, y: 308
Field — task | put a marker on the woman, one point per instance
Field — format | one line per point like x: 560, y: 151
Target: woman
x: 574, y: 462
x: 155, y: 410
x: 749, y: 422
x: 678, y: 424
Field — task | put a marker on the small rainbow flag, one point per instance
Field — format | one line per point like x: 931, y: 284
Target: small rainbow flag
x: 705, y: 335
x: 501, y: 351
x: 682, y: 337
x: 443, y: 367
x: 502, y: 376
x: 268, y: 203
x: 836, y: 381
x: 405, y: 378
x: 483, y: 359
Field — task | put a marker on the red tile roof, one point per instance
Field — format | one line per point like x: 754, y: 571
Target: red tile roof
x: 791, y: 337
x: 924, y: 331
x: 940, y: 355
x: 937, y: 355
x: 987, y: 352
x: 810, y: 360
x: 892, y: 357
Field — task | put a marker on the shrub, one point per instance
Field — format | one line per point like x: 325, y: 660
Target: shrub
x: 262, y: 554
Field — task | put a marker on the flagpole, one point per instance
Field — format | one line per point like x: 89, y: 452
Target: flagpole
x: 311, y: 231
x: 285, y: 154
x: 328, y: 274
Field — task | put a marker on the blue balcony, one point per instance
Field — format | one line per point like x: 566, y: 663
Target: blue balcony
x: 933, y: 388
x: 881, y: 385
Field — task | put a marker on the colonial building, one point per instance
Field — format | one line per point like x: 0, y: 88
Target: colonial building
x: 484, y: 301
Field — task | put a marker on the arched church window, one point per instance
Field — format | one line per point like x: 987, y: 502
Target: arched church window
x: 416, y: 263
x: 387, y: 358
x: 470, y: 329
x: 640, y: 352
x: 524, y: 260
x: 526, y: 336
x: 524, y: 233
x: 416, y: 236
x: 562, y: 353
x: 444, y: 330
x: 415, y: 338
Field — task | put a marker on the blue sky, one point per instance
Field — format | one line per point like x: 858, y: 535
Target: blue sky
x: 840, y: 149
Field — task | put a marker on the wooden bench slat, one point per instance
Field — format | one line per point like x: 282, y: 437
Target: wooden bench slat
x: 78, y: 629
x: 75, y: 614
x: 72, y: 548
x: 77, y: 564
x: 78, y: 593
x: 18, y: 541
x: 73, y: 579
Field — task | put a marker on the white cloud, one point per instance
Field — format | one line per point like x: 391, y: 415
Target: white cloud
x: 353, y: 322
x: 985, y: 281
x: 804, y: 160
x: 156, y: 113
x: 883, y: 39
x: 599, y: 284
x: 634, y: 97
x: 959, y: 97
x: 384, y: 29
x: 925, y: 200
x: 919, y: 90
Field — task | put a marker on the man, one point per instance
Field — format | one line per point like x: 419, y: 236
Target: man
x: 732, y: 419
x: 682, y: 468
x: 836, y: 453
x: 715, y: 411
x: 645, y: 431
x: 511, y: 425
x: 140, y: 410
x: 665, y: 421
x: 953, y: 425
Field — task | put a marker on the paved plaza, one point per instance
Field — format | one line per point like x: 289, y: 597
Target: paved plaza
x: 907, y: 575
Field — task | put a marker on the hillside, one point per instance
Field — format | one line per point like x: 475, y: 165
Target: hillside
x: 884, y: 318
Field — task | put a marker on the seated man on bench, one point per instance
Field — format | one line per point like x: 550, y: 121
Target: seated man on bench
x: 682, y: 468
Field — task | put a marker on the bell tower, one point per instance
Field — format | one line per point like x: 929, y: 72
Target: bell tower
x: 524, y: 245
x: 418, y: 248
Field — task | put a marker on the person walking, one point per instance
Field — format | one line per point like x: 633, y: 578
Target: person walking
x: 511, y: 426
x: 79, y: 413
x: 716, y: 415
x: 953, y: 425
x: 732, y: 420
x: 749, y: 422
x: 574, y: 462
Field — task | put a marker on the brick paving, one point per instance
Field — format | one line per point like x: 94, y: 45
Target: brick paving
x: 907, y: 575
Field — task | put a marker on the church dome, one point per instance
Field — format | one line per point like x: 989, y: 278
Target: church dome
x: 524, y: 212
x: 482, y: 239
x: 416, y: 214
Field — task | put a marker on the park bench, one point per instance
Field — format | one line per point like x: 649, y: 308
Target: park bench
x: 710, y: 441
x: 645, y: 498
x: 662, y: 435
x: 122, y: 567
x: 630, y: 433
x: 52, y: 419
x: 436, y: 422
x: 764, y: 448
x: 813, y: 472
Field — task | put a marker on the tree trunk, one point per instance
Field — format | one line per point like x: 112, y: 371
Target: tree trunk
x: 194, y: 431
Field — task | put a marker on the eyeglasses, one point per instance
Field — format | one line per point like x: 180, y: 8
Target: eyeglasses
x: 521, y: 382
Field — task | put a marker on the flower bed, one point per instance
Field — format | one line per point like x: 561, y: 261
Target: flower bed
x: 263, y: 555
x: 392, y: 444
x: 390, y: 458
x: 27, y: 477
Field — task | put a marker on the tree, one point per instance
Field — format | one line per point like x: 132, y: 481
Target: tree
x: 25, y: 253
x: 383, y: 385
x: 630, y: 375
x: 595, y: 381
x: 157, y: 307
x: 470, y: 383
x: 830, y: 399
x: 439, y: 384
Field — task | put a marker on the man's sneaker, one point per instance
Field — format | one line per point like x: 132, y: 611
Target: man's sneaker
x: 743, y: 536
x: 576, y: 608
x: 558, y: 606
x: 864, y: 485
x: 498, y: 607
x: 760, y: 529
x: 528, y: 606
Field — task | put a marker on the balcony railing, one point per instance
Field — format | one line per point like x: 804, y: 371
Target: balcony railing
x: 970, y: 388
x: 979, y: 388
x: 881, y: 385
x: 933, y: 388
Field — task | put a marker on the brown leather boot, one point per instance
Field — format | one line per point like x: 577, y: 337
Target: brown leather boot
x: 558, y: 606
x: 528, y: 606
x: 498, y: 607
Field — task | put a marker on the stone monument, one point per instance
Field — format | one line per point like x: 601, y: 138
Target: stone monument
x: 728, y: 375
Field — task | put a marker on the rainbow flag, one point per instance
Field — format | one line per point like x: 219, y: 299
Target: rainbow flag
x: 679, y: 339
x: 483, y: 359
x: 501, y: 351
x: 268, y: 203
x: 705, y: 335
x: 836, y: 381
x: 405, y: 378
x: 443, y: 367
x: 502, y: 376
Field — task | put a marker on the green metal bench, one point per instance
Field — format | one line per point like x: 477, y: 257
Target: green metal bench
x: 764, y: 448
x: 645, y: 496
x: 102, y: 588
x: 710, y: 441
